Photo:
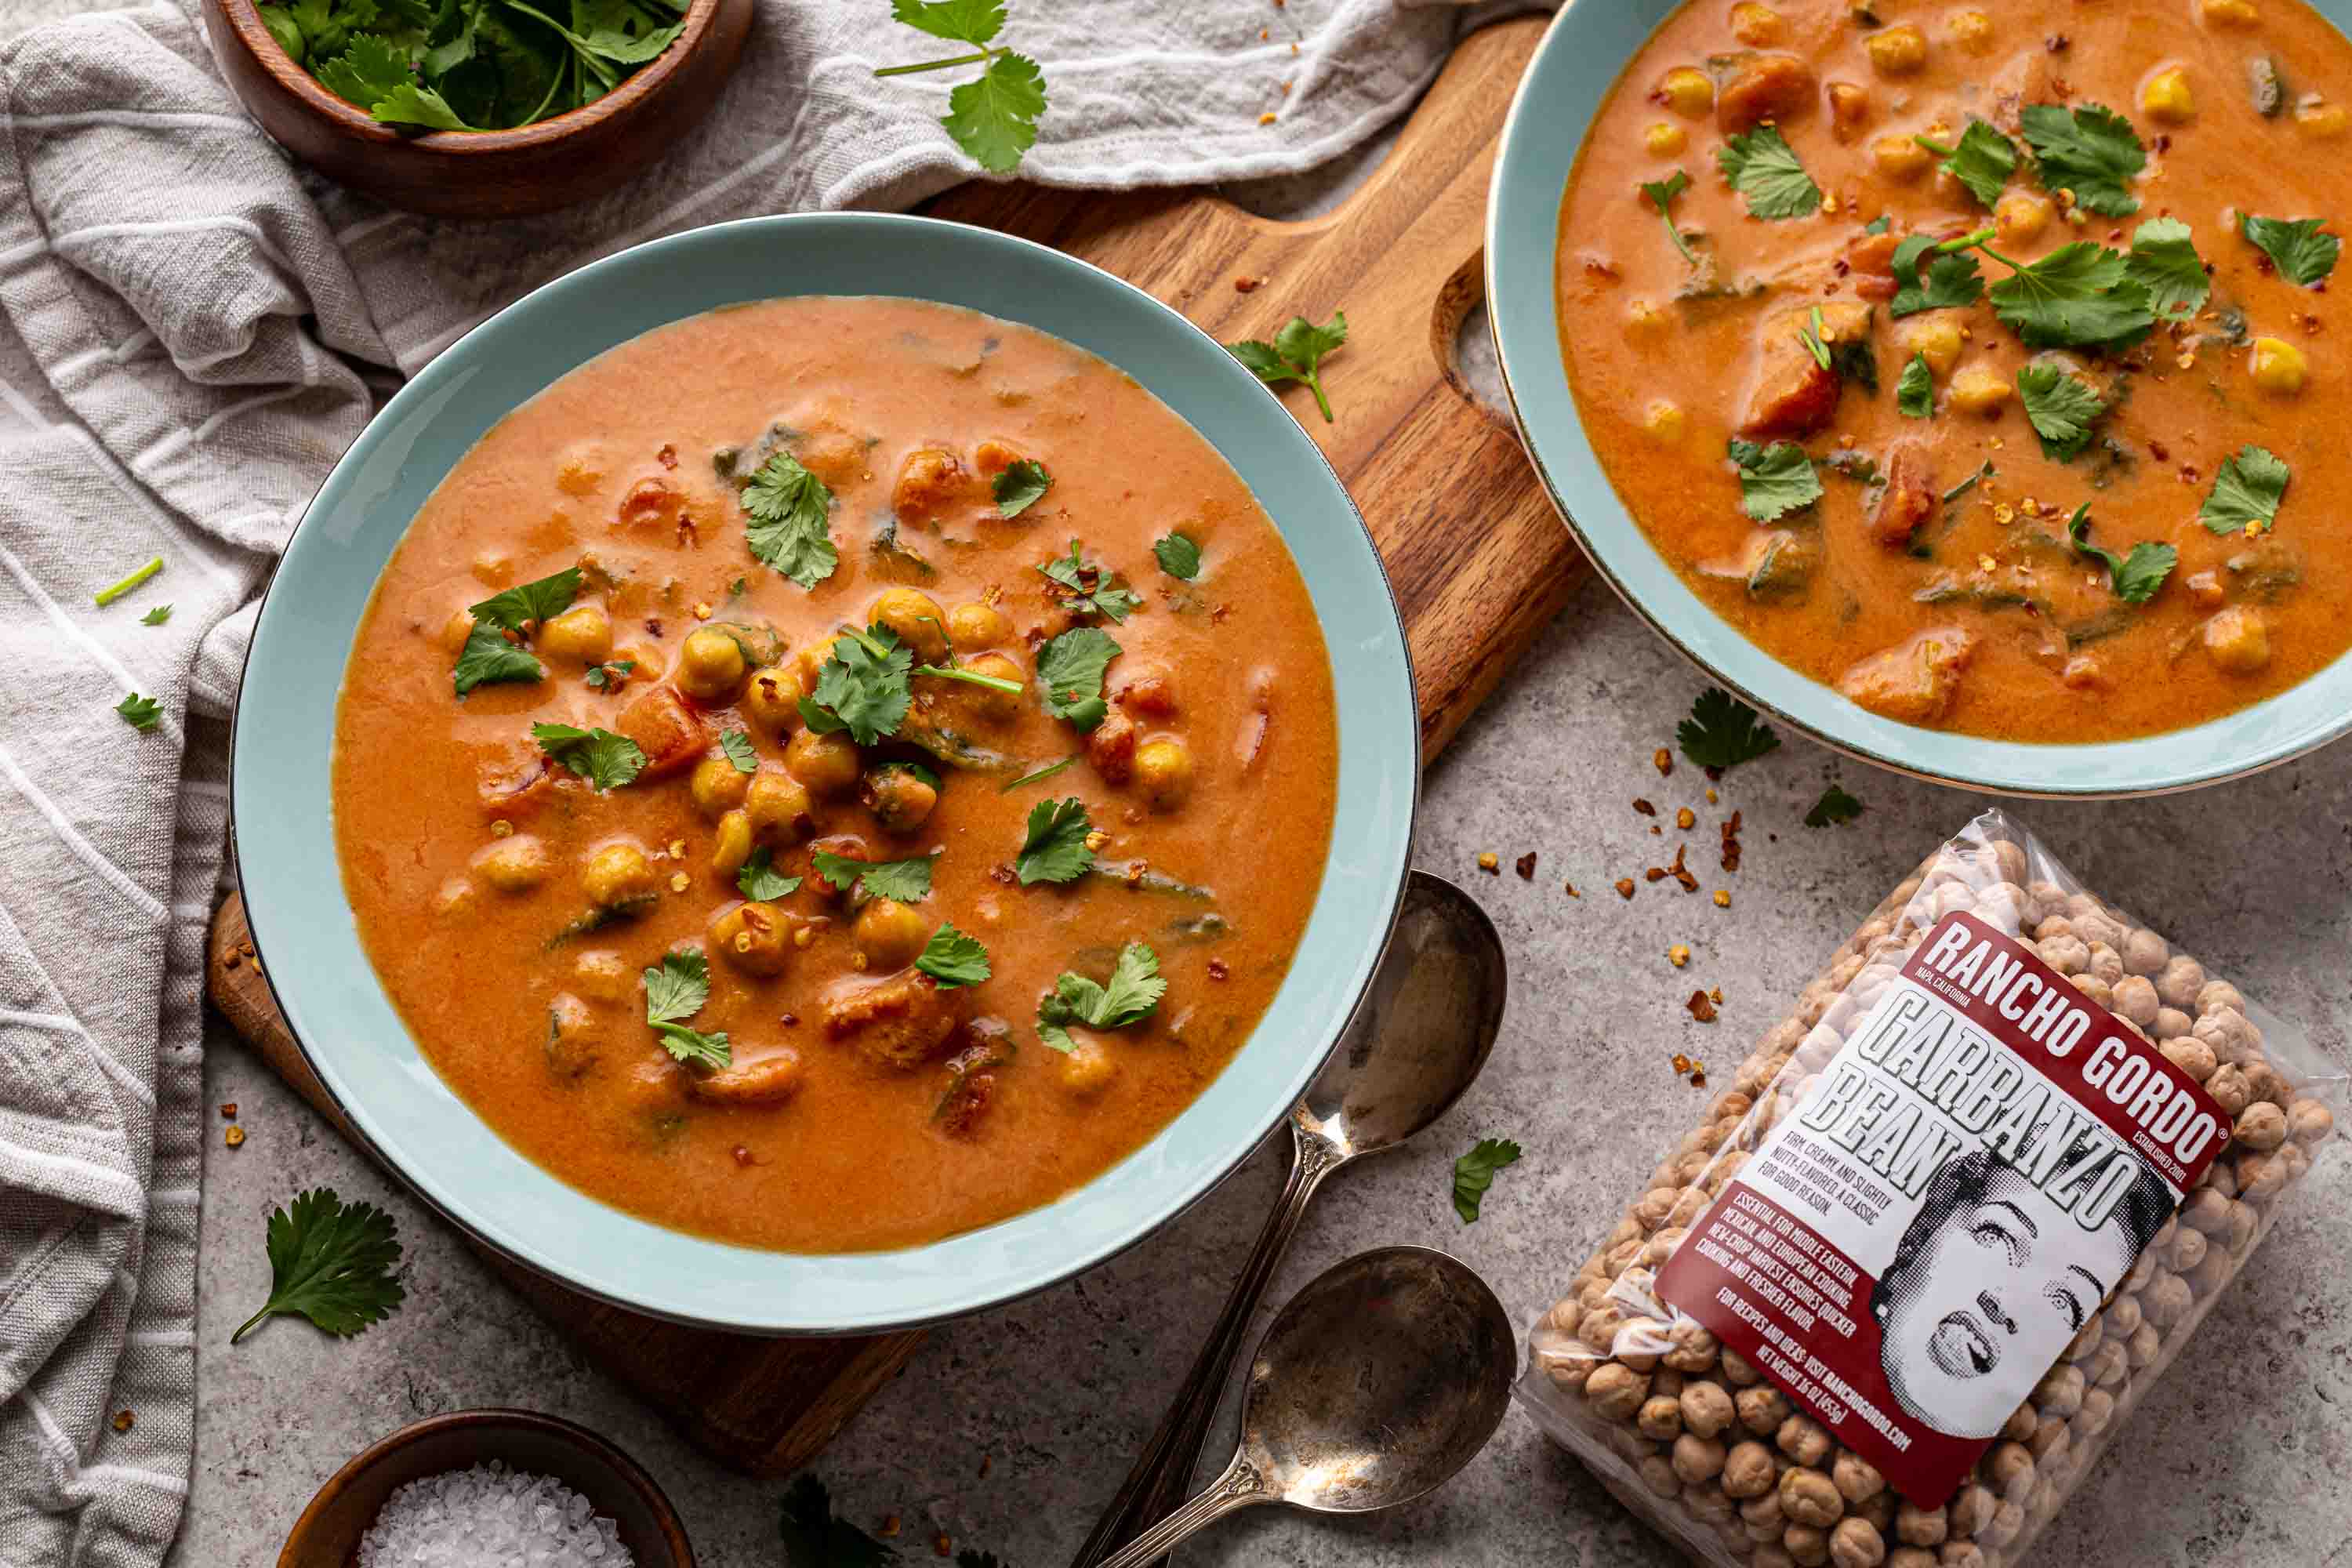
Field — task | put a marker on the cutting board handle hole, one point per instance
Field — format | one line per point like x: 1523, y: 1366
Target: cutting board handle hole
x: 1464, y: 348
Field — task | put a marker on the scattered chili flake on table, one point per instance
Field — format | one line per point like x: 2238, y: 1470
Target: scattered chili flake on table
x: 1654, y: 874
x: 1526, y: 866
x: 1664, y: 760
x: 1645, y: 807
x: 889, y: 1527
x: 123, y: 1420
x: 1489, y: 864
x: 1679, y: 954
x: 228, y: 1110
x: 1700, y: 1007
x: 1624, y: 886
x: 1682, y: 1064
x: 940, y: 1544
x: 1711, y: 798
x: 1682, y: 873
x: 1248, y: 285
x: 1731, y: 842
x: 1722, y: 899
x: 234, y: 1137
x: 1685, y: 819
x: 1571, y: 890
x: 1698, y: 1075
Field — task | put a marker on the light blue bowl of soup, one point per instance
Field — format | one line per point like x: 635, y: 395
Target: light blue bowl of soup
x: 355, y: 1041
x: 1572, y: 75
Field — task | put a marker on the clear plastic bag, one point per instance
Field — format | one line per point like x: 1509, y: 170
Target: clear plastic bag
x: 1698, y: 1440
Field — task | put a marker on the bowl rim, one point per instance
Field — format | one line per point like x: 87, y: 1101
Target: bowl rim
x: 634, y: 1475
x: 2229, y: 746
x: 243, y: 19
x: 423, y: 385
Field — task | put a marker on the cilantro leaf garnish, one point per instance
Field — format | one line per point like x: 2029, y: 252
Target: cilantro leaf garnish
x: 1020, y: 486
x: 1178, y: 556
x: 2079, y: 296
x: 1952, y: 280
x: 863, y: 687
x: 814, y: 1538
x: 1070, y: 668
x: 141, y: 713
x: 907, y: 881
x: 1984, y: 160
x: 2165, y: 262
x: 1880, y: 224
x: 2062, y: 408
x: 2303, y: 254
x: 528, y: 604
x: 156, y: 617
x: 994, y: 117
x: 1774, y: 481
x: 1296, y: 354
x: 605, y: 760
x: 1914, y: 393
x: 1763, y: 168
x: 1054, y: 849
x: 676, y: 992
x: 1662, y: 194
x: 1074, y: 572
x: 1134, y: 990
x: 2135, y: 577
x: 2247, y: 491
x: 609, y: 674
x: 1810, y: 335
x: 1722, y: 732
x: 1038, y: 775
x: 1474, y: 1172
x: 330, y: 1262
x: 736, y: 745
x: 788, y: 512
x: 488, y: 658
x: 953, y: 958
x: 759, y: 880
x: 2091, y: 150
x: 1834, y: 806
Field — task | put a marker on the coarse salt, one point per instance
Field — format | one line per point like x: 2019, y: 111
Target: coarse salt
x: 490, y: 1516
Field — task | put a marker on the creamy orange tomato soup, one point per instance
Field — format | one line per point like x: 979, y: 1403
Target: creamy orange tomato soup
x: 691, y: 894
x: 2177, y: 380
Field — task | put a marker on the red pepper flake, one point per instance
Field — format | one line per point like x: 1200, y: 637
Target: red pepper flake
x: 792, y: 1020
x: 1571, y: 890
x: 1490, y: 863
x: 1248, y: 285
x: 1654, y: 874
x: 1731, y: 842
x: 2160, y: 451
x: 653, y: 626
x: 2188, y: 473
x: 1681, y: 873
x: 1645, y: 807
x: 667, y: 456
x: 1664, y: 760
x: 941, y: 1545
x: 229, y: 1111
x: 123, y: 1420
x: 744, y: 1156
x: 2057, y: 43
x: 1217, y: 969
x: 1526, y: 866
x: 985, y: 1461
x: 1624, y: 886
x: 1700, y: 1007
x: 1003, y: 874
x: 1698, y: 1079
x: 1682, y: 1064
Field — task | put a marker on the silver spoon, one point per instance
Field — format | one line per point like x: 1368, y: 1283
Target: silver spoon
x: 1375, y: 1384
x: 1420, y: 1037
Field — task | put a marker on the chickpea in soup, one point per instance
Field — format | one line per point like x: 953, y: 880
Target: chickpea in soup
x: 1973, y: 359
x: 834, y: 772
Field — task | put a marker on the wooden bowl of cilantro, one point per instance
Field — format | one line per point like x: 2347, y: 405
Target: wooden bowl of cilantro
x: 477, y: 107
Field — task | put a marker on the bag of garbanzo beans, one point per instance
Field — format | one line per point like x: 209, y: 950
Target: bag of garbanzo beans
x: 1890, y: 1299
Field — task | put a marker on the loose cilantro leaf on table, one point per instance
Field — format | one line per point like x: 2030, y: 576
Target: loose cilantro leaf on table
x: 1722, y: 732
x: 953, y: 958
x: 605, y: 760
x: 1296, y: 354
x: 862, y: 688
x: 1070, y: 668
x: 1178, y: 556
x: 2135, y: 577
x: 736, y: 745
x: 1104, y: 597
x: 995, y: 116
x: 1763, y: 168
x: 141, y: 713
x: 330, y: 1262
x: 760, y: 879
x: 1474, y: 1172
x: 789, y: 511
x: 814, y: 1538
x: 676, y: 992
x: 1834, y: 806
x: 2247, y: 491
x: 1054, y: 849
x: 1662, y: 194
x: 2091, y: 150
x: 1134, y: 990
x: 2062, y: 408
x: 2164, y: 262
x: 156, y: 617
x: 1914, y: 392
x: 1984, y: 160
x: 2303, y: 254
x: 907, y: 881
x: 1020, y: 486
x: 1774, y: 481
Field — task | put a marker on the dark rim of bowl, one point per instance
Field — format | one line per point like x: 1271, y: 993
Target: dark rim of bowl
x: 1281, y: 1114
x: 634, y: 1475
x: 244, y: 18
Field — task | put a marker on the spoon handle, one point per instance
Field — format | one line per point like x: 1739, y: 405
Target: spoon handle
x: 1238, y: 1488
x: 1164, y: 1470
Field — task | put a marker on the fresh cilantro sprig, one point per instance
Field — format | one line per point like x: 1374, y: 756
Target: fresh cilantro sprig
x: 1134, y: 989
x: 2081, y: 295
x: 2301, y: 253
x: 156, y: 617
x: 1915, y: 390
x: 674, y: 992
x: 1092, y: 588
x: 1834, y: 806
x: 488, y: 656
x: 1296, y: 354
x: 1763, y: 168
x: 141, y: 713
x: 1070, y: 668
x: 862, y: 687
x: 605, y: 760
x: 788, y: 514
x: 907, y: 881
x: 1952, y: 280
x: 2091, y: 150
x: 953, y: 958
x: 1178, y: 556
x: 994, y: 117
x: 1662, y: 194
x: 1020, y: 486
x: 1774, y: 481
x: 1055, y: 847
x: 758, y: 878
x: 2246, y: 492
x: 330, y: 1262
x: 2062, y: 408
x: 114, y: 590
x: 1984, y: 160
x: 1474, y: 1172
x: 2135, y: 577
x: 1722, y: 732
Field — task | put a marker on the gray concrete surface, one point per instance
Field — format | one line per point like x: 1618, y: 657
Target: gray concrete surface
x: 1008, y: 1431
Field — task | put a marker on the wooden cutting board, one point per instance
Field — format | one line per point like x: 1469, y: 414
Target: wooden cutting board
x: 1478, y: 559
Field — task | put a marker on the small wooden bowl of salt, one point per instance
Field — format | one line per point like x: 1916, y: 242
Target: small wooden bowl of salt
x: 484, y: 1487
